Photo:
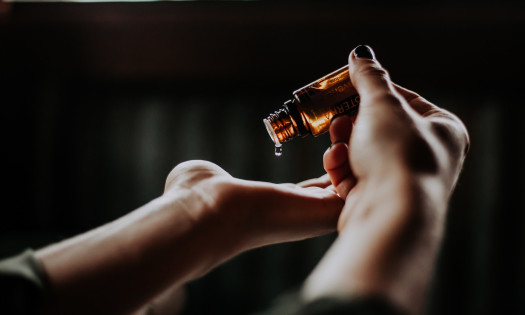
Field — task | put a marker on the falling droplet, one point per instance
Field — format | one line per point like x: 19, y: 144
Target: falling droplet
x: 278, y: 149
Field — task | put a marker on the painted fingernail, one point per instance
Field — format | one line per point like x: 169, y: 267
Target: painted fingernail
x: 364, y: 51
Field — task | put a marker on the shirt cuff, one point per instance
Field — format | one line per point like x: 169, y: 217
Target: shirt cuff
x: 291, y: 303
x: 22, y: 284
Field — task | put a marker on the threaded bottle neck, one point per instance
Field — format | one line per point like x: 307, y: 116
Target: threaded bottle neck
x: 280, y: 126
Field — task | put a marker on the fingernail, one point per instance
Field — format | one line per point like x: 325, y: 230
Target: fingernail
x: 363, y: 51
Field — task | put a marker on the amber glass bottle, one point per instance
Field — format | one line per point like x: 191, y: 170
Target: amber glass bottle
x: 312, y: 108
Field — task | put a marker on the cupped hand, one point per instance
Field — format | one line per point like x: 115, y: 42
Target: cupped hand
x: 246, y: 214
x: 204, y: 217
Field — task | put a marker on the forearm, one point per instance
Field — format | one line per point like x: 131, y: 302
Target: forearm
x: 204, y: 218
x: 403, y: 157
x: 120, y: 266
x: 390, y: 247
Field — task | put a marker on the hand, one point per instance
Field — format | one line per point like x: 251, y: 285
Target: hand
x: 241, y: 214
x: 204, y: 217
x: 396, y: 130
x: 396, y: 165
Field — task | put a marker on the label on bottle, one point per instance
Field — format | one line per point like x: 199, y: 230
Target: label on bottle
x: 347, y: 106
x: 325, y: 98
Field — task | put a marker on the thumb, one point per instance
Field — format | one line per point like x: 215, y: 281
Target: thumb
x: 368, y: 77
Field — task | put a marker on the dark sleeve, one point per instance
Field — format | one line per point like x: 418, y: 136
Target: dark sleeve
x: 291, y: 304
x: 22, y: 284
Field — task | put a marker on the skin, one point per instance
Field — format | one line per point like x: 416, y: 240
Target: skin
x: 390, y: 174
x: 204, y: 217
x: 396, y: 165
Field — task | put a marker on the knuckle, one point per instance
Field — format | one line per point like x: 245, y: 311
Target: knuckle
x: 192, y: 171
x: 386, y: 98
x: 453, y: 134
x: 193, y: 165
x: 376, y: 71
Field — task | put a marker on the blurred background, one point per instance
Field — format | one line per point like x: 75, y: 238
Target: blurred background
x: 100, y: 101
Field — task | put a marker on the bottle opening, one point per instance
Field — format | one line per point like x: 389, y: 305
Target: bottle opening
x: 280, y: 126
x: 271, y: 132
x: 275, y: 138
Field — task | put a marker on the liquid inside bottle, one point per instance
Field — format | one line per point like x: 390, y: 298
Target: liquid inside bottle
x: 313, y: 107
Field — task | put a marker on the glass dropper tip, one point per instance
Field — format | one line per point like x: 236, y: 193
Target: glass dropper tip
x: 275, y: 139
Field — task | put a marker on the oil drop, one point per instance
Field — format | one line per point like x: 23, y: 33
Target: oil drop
x: 275, y: 138
x: 278, y: 149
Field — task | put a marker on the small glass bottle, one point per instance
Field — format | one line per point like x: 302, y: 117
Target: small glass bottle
x: 313, y: 107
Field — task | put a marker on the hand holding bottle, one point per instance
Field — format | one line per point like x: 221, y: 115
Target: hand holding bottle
x: 396, y: 164
x: 396, y: 131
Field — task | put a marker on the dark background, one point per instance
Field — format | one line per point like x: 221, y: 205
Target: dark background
x: 100, y: 101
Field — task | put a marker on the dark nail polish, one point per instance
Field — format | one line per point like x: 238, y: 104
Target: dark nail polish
x: 363, y: 51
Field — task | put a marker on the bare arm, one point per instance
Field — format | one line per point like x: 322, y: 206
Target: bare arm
x: 204, y: 217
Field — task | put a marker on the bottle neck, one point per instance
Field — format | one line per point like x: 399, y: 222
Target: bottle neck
x: 280, y: 126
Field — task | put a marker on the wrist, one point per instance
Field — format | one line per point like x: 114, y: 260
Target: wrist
x: 209, y: 206
x: 387, y: 243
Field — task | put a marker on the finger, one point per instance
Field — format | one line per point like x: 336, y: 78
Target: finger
x: 337, y: 166
x: 282, y: 214
x: 417, y: 102
x: 308, y: 212
x: 336, y: 159
x: 370, y: 79
x: 384, y: 120
x: 321, y: 182
x: 331, y: 188
x: 340, y: 129
x: 406, y: 93
x: 447, y: 126
x: 289, y: 185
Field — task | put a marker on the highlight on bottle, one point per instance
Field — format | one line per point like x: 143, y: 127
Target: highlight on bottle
x: 312, y: 108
